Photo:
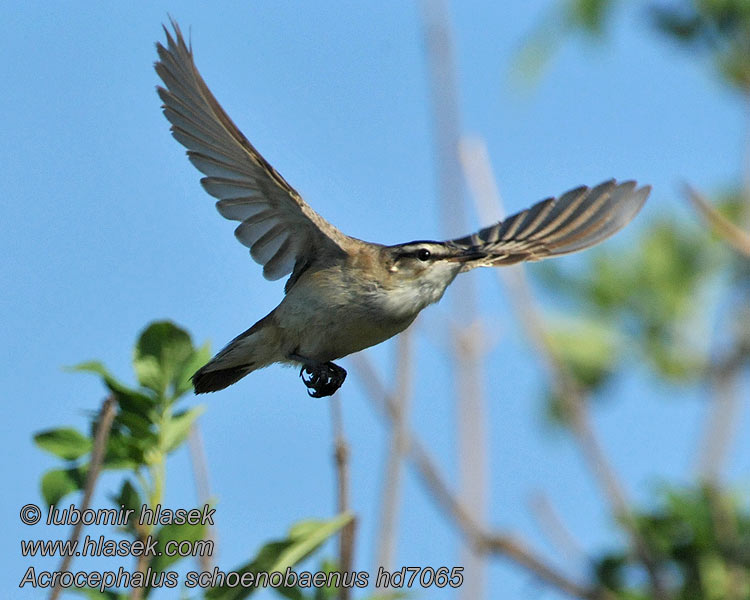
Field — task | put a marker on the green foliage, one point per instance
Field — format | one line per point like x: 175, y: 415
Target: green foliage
x: 145, y: 430
x: 589, y: 349
x: 701, y: 537
x: 66, y: 442
x: 58, y: 483
x: 183, y: 532
x: 589, y: 15
x: 164, y: 359
x: 719, y: 28
x: 303, y: 539
x: 130, y: 498
x: 655, y: 294
x: 147, y: 427
x: 652, y: 291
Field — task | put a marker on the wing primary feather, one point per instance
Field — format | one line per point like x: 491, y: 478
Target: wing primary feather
x: 269, y: 243
x: 229, y: 189
x: 212, y: 167
x: 564, y: 208
x: 247, y: 187
x: 586, y: 213
x: 536, y: 214
x: 239, y: 209
x: 282, y: 261
x: 593, y: 217
x: 514, y: 223
x: 576, y: 220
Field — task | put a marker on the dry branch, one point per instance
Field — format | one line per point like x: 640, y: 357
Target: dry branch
x: 723, y: 227
x: 482, y: 541
x: 341, y: 462
x: 386, y: 543
x: 106, y: 416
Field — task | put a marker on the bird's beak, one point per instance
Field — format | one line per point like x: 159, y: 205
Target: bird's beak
x: 467, y: 255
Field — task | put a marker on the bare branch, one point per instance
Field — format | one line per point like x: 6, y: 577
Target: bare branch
x: 723, y: 227
x: 202, y: 486
x: 554, y: 528
x: 106, y: 416
x: 341, y: 460
x: 482, y: 541
x: 724, y: 377
x: 386, y: 544
x: 517, y: 551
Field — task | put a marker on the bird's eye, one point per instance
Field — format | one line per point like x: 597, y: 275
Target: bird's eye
x: 423, y: 254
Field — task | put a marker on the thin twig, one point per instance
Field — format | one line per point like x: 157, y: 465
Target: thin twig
x: 104, y: 425
x: 140, y: 567
x: 574, y: 400
x: 202, y: 487
x: 386, y: 543
x: 724, y: 376
x: 554, y: 528
x: 341, y: 461
x: 516, y: 550
x: 482, y: 541
x: 723, y: 227
x: 746, y: 167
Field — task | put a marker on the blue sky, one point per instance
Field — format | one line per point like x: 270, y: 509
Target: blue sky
x: 106, y: 228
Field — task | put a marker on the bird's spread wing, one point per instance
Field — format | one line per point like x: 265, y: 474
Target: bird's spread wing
x: 279, y: 227
x: 576, y: 220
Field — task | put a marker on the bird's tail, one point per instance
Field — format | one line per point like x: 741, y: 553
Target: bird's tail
x: 249, y: 351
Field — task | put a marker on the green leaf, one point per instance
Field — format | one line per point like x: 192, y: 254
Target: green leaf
x: 587, y: 348
x: 125, y: 451
x: 130, y: 499
x: 306, y: 536
x: 97, y: 367
x: 326, y: 593
x: 681, y: 25
x: 128, y: 399
x: 177, y: 428
x: 160, y: 354
x: 66, y: 442
x: 589, y: 15
x: 303, y: 539
x: 58, y: 483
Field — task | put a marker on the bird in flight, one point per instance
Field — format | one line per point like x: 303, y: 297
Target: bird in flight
x: 344, y: 294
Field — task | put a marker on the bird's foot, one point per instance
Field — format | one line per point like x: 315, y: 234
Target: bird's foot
x: 322, y: 379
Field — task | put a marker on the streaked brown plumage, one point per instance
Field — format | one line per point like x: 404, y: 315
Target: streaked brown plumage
x: 344, y: 294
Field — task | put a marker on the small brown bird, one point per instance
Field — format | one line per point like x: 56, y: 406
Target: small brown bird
x: 345, y: 294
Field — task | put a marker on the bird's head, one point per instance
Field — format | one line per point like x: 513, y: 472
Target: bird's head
x: 426, y: 267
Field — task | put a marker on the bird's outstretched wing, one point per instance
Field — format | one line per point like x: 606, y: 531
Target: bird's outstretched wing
x: 279, y: 227
x: 576, y: 220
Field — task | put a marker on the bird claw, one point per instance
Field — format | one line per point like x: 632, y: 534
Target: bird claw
x: 322, y: 379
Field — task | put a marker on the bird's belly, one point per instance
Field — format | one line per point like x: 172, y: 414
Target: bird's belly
x: 324, y: 328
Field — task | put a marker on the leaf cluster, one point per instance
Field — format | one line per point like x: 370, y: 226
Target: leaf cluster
x: 701, y: 540
x: 148, y: 426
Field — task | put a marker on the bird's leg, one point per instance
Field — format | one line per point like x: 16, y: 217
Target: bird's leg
x: 321, y: 379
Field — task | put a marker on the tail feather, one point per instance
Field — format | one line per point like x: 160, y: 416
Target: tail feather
x: 207, y: 379
x: 251, y: 350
